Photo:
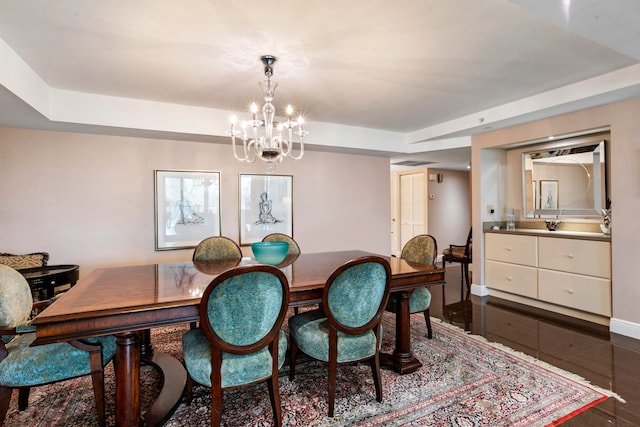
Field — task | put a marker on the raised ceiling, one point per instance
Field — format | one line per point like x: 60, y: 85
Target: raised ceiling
x: 394, y: 78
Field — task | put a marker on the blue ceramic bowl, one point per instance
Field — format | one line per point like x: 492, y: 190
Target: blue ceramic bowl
x: 272, y: 253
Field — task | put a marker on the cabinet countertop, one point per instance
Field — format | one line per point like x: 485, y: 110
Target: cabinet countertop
x: 581, y: 235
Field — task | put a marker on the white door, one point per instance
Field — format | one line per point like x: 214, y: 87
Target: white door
x: 412, y: 206
x: 395, y: 230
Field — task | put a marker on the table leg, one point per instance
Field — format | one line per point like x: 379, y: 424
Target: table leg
x: 132, y: 348
x: 128, y: 380
x: 146, y: 347
x: 402, y: 359
x: 174, y: 380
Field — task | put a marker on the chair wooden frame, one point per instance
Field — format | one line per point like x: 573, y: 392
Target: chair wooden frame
x: 95, y: 364
x: 464, y: 261
x: 426, y: 313
x: 218, y: 345
x: 335, y: 326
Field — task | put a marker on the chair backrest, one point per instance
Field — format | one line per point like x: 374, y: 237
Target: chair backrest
x: 422, y: 249
x: 294, y: 248
x: 216, y: 247
x: 355, y: 295
x: 15, y: 298
x: 242, y: 309
x: 468, y: 246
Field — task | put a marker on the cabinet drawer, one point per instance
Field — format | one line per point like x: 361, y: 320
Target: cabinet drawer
x: 591, y: 294
x: 512, y: 248
x: 516, y: 279
x: 587, y: 257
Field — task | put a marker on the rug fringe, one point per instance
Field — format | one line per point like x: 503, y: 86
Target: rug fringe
x: 531, y: 359
x: 576, y: 412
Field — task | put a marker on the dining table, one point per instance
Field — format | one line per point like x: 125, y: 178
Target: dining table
x: 128, y: 301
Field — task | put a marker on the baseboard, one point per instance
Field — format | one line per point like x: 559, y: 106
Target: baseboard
x: 624, y: 327
x: 479, y: 290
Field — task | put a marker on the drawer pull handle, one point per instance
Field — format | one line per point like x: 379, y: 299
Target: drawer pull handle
x: 509, y: 278
x: 509, y: 249
x: 570, y: 291
x: 570, y: 256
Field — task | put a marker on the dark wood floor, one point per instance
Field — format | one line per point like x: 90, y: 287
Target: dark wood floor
x: 608, y: 360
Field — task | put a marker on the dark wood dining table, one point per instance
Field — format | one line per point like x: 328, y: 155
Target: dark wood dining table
x: 128, y: 301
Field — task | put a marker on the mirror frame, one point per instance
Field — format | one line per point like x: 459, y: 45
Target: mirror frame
x: 600, y: 154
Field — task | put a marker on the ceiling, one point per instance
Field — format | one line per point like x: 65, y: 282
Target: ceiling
x: 408, y: 80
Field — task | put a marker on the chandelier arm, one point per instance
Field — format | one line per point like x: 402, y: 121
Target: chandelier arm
x: 251, y: 143
x: 235, y: 152
x: 255, y: 130
x: 290, y: 140
x: 286, y: 147
x: 299, y: 156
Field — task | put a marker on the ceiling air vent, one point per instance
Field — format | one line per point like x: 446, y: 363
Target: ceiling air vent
x: 413, y: 163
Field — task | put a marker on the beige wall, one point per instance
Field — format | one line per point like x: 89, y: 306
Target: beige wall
x: 449, y: 213
x: 622, y: 117
x: 88, y: 199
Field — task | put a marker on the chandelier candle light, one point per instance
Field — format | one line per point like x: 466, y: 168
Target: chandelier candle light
x: 268, y: 147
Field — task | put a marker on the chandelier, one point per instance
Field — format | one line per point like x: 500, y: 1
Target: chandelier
x: 263, y: 136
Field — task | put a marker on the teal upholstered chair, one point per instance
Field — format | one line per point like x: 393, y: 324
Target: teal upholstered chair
x: 347, y: 326
x: 23, y: 366
x: 294, y: 249
x: 421, y: 249
x: 239, y: 341
x: 215, y: 248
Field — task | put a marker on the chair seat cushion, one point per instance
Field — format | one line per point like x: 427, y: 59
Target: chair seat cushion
x: 237, y: 369
x: 458, y: 252
x: 30, y: 366
x: 310, y: 330
x: 419, y: 301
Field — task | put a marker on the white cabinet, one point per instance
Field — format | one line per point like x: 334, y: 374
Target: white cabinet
x: 514, y: 249
x: 563, y: 273
x: 511, y: 262
x: 516, y: 279
x: 591, y: 258
x: 586, y: 293
x: 575, y: 273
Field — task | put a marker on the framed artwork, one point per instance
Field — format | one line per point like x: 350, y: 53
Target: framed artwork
x: 266, y: 206
x: 187, y: 208
x: 548, y: 194
x: 534, y: 192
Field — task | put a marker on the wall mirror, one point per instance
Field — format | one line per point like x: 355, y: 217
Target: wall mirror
x: 566, y: 178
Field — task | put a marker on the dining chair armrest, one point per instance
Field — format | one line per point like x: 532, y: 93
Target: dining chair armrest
x: 26, y: 328
x: 3, y: 351
x: 7, y: 331
x: 86, y: 345
x: 42, y: 304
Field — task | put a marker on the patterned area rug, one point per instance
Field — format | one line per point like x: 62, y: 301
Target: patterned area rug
x: 465, y: 381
